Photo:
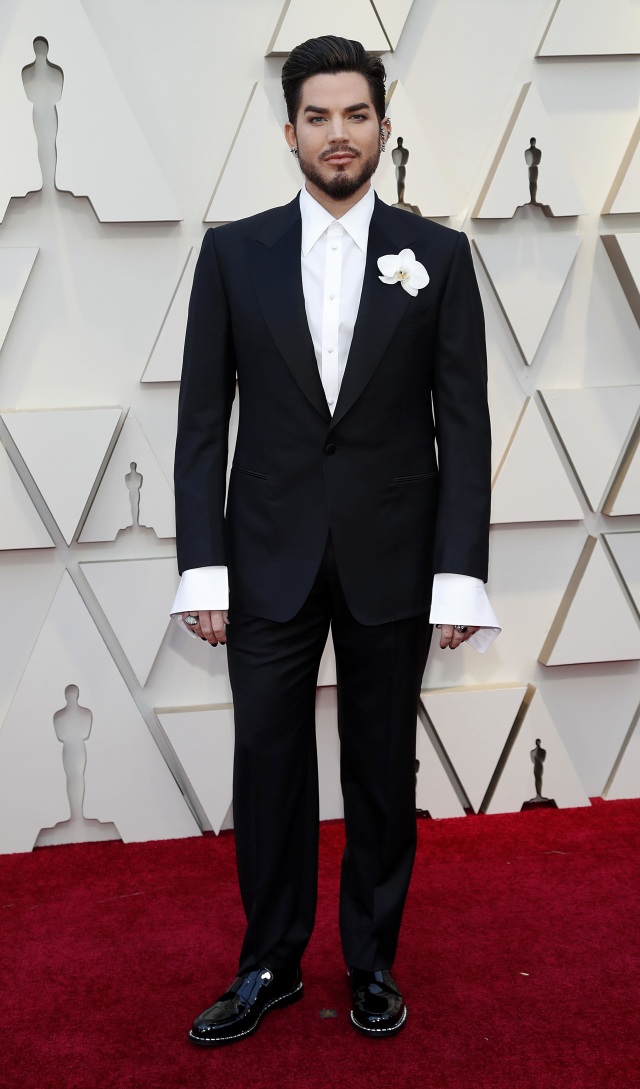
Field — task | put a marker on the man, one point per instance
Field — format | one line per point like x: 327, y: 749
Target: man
x: 350, y: 368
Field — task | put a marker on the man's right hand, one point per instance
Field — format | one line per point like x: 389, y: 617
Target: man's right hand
x: 211, y: 625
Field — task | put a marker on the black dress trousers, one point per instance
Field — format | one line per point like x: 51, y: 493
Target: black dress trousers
x: 273, y: 669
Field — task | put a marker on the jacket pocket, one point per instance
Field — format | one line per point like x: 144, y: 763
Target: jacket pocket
x: 417, y: 478
x: 249, y: 472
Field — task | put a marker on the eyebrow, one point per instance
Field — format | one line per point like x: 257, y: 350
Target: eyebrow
x: 348, y: 109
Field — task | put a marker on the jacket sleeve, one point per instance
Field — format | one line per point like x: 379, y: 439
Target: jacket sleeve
x: 461, y: 416
x: 206, y: 396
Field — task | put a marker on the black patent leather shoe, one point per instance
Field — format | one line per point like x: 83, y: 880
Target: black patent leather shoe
x: 378, y: 1008
x: 239, y: 1010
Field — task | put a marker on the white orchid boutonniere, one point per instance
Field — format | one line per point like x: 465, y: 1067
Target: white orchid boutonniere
x: 403, y: 268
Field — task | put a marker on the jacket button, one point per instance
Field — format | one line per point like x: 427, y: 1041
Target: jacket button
x: 330, y: 448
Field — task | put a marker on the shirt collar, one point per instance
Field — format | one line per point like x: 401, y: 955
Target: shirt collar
x: 316, y: 219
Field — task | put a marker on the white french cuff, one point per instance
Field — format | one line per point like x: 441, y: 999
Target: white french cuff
x: 462, y: 599
x: 201, y: 588
x: 404, y: 269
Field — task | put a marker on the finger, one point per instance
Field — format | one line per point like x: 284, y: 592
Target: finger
x: 206, y: 627
x: 218, y: 622
x: 446, y: 635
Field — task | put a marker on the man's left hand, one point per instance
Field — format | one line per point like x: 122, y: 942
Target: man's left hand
x: 450, y: 637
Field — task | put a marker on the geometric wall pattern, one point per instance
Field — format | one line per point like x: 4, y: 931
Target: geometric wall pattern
x: 258, y: 139
x: 15, y: 268
x: 427, y: 188
x: 593, y: 426
x: 599, y: 28
x: 127, y: 781
x: 302, y: 19
x: 624, y: 195
x: 507, y: 186
x: 101, y: 150
x: 594, y: 622
x: 530, y: 484
x: 528, y: 275
x: 133, y: 489
x: 165, y: 361
x: 567, y: 438
x: 64, y: 451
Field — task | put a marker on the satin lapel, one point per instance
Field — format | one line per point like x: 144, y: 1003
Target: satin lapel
x: 277, y: 278
x: 382, y: 307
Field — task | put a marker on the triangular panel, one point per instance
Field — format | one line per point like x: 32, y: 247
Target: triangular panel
x: 102, y: 152
x: 624, y: 254
x: 593, y: 425
x: 426, y: 187
x: 165, y: 361
x: 506, y: 401
x: 528, y: 274
x: 599, y: 28
x: 203, y: 741
x: 625, y: 781
x: 15, y: 268
x: 139, y: 588
x: 64, y: 450
x: 531, y: 484
x: 259, y: 139
x: 625, y: 548
x: 126, y: 779
x: 508, y: 184
x: 303, y: 19
x: 595, y: 621
x: 624, y: 497
x: 393, y: 15
x: 20, y: 524
x: 625, y: 191
x: 435, y: 792
x: 112, y: 508
x: 536, y: 747
x: 473, y: 725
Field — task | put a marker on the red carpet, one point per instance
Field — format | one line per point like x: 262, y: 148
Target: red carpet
x: 520, y: 963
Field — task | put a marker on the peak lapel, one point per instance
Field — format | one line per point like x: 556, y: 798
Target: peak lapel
x: 277, y: 278
x: 382, y: 307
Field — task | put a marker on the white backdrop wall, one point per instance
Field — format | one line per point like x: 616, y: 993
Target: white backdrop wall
x: 151, y: 94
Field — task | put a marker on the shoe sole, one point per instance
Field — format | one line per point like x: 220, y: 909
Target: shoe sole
x: 277, y: 1003
x: 378, y: 1033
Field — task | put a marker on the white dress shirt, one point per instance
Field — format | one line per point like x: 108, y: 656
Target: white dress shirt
x: 333, y: 261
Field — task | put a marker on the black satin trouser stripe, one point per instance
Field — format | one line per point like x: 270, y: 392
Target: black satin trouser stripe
x: 273, y: 669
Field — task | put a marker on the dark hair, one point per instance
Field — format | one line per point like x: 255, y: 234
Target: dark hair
x: 330, y: 54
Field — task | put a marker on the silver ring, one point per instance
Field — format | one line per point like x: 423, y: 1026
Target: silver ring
x: 191, y: 620
x: 461, y: 627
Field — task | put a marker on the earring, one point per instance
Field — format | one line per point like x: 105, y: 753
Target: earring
x: 294, y: 151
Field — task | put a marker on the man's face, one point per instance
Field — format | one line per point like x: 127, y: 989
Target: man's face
x: 337, y: 134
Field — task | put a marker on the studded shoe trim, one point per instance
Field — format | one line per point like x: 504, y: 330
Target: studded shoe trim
x: 213, y: 1040
x: 379, y: 1031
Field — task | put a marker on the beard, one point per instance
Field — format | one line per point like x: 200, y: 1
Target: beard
x: 342, y: 185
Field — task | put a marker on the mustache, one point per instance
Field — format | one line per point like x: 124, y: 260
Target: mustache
x: 347, y: 150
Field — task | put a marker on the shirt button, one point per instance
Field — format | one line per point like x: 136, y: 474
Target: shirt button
x: 332, y: 297
x: 334, y: 246
x: 330, y: 448
x: 329, y: 349
x: 330, y: 402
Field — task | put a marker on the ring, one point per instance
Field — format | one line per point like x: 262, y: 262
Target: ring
x: 461, y: 627
x: 191, y: 620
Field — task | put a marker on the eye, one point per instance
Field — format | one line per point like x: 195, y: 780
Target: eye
x: 313, y: 119
x: 358, y: 117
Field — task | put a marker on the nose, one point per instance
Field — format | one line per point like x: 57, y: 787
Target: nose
x: 337, y: 133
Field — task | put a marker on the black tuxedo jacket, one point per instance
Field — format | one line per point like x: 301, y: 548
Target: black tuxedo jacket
x: 400, y: 474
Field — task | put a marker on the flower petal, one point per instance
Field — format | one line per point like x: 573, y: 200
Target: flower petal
x: 419, y: 275
x: 387, y: 279
x: 407, y: 286
x: 406, y: 258
x: 389, y: 264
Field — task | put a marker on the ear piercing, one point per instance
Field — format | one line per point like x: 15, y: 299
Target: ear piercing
x: 294, y: 151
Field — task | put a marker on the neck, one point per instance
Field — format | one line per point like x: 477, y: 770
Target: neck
x: 336, y: 208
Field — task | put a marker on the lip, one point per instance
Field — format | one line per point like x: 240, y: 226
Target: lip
x: 339, y: 158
